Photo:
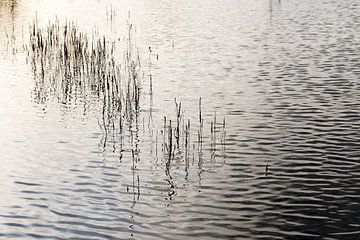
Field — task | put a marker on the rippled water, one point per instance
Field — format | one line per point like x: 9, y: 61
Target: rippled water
x: 284, y: 74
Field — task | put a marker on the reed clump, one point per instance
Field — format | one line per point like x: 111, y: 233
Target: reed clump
x: 173, y: 136
x: 66, y: 61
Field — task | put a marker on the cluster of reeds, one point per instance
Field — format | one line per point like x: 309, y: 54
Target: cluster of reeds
x: 67, y: 62
x: 177, y: 140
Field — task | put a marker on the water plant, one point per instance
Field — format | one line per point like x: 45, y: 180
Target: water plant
x: 69, y: 64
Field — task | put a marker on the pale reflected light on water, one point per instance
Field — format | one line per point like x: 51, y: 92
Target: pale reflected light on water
x: 77, y: 164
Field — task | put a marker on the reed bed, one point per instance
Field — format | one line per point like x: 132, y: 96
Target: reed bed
x: 67, y: 62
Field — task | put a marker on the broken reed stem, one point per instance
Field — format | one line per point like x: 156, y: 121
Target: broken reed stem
x: 178, y: 120
x: 7, y: 36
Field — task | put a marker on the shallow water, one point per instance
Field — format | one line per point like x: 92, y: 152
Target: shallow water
x: 284, y: 74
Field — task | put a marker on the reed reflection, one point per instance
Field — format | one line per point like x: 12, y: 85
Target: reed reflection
x: 7, y: 17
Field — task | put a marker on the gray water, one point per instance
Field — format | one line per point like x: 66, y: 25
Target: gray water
x: 284, y: 74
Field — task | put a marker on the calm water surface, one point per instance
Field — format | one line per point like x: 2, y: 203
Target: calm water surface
x: 285, y: 75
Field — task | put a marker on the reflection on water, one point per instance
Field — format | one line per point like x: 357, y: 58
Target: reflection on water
x: 7, y: 12
x: 7, y: 17
x: 113, y: 126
